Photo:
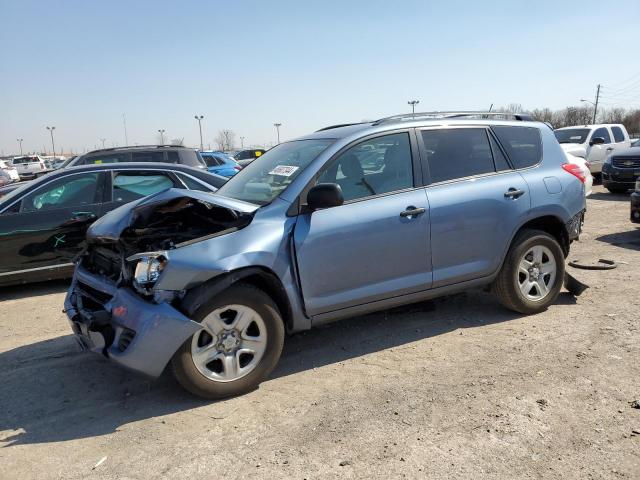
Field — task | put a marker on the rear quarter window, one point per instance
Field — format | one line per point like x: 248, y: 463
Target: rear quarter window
x: 522, y: 144
x: 192, y: 158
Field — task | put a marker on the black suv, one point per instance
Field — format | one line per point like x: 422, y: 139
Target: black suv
x: 147, y: 153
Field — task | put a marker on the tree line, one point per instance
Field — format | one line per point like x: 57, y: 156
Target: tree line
x: 583, y: 115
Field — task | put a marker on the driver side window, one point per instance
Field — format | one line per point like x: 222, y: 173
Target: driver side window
x: 602, y: 132
x: 373, y: 167
x: 68, y: 192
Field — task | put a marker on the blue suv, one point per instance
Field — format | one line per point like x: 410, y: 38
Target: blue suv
x: 342, y: 222
x: 220, y: 163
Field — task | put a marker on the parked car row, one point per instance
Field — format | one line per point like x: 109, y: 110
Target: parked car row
x: 607, y: 151
x: 43, y: 222
x: 8, y: 173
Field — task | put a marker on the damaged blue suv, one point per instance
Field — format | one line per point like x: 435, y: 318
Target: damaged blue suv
x: 342, y: 222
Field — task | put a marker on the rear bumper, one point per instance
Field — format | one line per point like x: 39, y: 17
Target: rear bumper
x: 117, y: 323
x: 574, y: 225
x: 635, y: 207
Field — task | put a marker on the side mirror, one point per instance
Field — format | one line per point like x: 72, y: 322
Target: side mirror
x: 325, y: 195
x: 596, y: 141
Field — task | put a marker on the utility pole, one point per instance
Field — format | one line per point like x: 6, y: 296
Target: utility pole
x: 595, y: 107
x: 124, y: 123
x: 19, y: 140
x: 278, y: 125
x: 103, y: 140
x: 242, y: 143
x: 161, y: 132
x: 199, y: 119
x: 413, y: 104
x: 53, y: 145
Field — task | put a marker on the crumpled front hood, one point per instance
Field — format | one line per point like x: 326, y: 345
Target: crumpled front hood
x: 170, y: 217
x: 574, y: 149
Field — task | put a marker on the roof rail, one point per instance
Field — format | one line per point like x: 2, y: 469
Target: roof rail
x: 338, y: 126
x: 452, y: 114
x: 134, y: 147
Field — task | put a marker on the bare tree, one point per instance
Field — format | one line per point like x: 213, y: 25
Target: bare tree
x: 225, y: 139
x: 177, y: 141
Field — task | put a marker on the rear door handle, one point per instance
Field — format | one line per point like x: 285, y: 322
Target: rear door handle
x: 609, y: 149
x: 514, y: 193
x: 412, y: 211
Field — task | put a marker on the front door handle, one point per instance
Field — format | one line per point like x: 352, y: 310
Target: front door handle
x: 412, y: 211
x: 609, y: 149
x: 83, y: 215
x: 514, y: 193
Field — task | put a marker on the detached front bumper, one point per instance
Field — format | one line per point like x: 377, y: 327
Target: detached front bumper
x: 117, y: 323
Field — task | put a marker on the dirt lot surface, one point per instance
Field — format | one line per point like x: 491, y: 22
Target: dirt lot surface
x: 456, y: 388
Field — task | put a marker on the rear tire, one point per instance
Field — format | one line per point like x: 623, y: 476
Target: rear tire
x: 238, y: 347
x: 532, y: 274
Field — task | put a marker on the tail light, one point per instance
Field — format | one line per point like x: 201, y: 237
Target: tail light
x: 42, y: 166
x: 574, y: 170
x: 237, y: 167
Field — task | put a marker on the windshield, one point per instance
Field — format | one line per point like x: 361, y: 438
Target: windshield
x: 572, y: 135
x: 267, y: 176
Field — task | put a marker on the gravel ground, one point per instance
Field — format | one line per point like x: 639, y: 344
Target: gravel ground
x: 455, y: 388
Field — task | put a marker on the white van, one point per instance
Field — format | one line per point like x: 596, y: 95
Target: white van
x: 594, y: 143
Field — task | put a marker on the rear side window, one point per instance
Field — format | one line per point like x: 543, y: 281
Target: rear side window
x: 602, y: 132
x: 522, y: 144
x: 153, y: 156
x: 618, y: 136
x: 131, y: 185
x: 457, y: 153
x: 104, y: 158
x: 211, y: 161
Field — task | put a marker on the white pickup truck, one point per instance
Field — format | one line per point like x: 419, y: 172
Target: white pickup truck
x: 594, y: 143
x: 29, y: 166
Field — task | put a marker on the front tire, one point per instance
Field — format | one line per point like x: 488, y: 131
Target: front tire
x: 238, y: 347
x: 617, y: 190
x: 532, y: 274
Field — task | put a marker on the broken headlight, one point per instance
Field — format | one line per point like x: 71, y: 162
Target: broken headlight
x: 148, y: 268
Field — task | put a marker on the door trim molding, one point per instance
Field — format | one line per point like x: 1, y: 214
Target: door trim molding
x: 50, y: 267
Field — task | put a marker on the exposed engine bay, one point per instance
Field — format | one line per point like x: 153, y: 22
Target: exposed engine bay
x: 176, y: 222
x: 166, y: 221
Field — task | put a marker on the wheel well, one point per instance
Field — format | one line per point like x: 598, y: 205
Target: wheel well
x: 271, y: 285
x: 553, y: 226
x: 258, y: 277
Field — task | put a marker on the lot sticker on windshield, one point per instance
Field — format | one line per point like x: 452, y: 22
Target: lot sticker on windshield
x: 283, y: 170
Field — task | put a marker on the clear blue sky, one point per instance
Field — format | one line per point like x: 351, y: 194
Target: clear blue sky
x: 79, y: 65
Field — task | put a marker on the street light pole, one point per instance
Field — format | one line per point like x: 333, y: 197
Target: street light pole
x: 19, y: 140
x: 53, y: 145
x: 413, y: 104
x: 278, y: 125
x: 161, y: 132
x: 199, y: 119
x: 242, y: 143
x: 103, y: 140
x: 595, y: 104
